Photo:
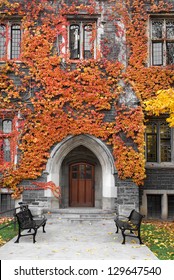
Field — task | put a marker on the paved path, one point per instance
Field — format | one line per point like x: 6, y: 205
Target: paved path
x: 66, y: 240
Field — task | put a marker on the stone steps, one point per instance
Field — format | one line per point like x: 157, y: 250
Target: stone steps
x: 81, y: 215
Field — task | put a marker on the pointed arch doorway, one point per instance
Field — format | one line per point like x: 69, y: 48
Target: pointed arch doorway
x: 82, y: 149
x: 81, y: 180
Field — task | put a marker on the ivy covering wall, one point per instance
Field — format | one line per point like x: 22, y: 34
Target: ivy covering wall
x: 51, y: 100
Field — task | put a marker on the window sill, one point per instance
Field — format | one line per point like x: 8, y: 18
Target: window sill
x: 10, y: 60
x: 6, y: 191
x: 79, y: 60
x: 150, y: 165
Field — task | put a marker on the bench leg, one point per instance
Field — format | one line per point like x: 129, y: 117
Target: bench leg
x: 44, y: 227
x: 139, y: 237
x: 34, y: 235
x: 117, y: 228
x: 19, y: 235
x: 122, y: 231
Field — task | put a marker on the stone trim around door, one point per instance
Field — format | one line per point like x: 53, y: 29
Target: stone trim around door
x: 104, y: 156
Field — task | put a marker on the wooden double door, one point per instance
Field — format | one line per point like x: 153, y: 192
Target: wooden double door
x: 81, y: 185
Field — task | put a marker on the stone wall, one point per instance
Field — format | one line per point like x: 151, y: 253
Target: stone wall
x: 127, y: 197
x: 159, y: 178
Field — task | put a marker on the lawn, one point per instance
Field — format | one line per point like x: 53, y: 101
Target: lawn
x: 159, y: 237
x: 8, y: 232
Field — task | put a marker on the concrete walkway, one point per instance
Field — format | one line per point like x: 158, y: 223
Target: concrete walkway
x: 65, y: 240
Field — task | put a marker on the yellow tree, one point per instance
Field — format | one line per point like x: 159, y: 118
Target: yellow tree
x: 162, y: 103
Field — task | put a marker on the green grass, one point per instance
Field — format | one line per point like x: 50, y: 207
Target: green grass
x: 159, y: 237
x: 7, y: 233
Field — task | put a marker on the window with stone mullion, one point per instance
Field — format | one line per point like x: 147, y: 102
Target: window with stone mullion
x: 80, y: 40
x: 158, y: 142
x: 10, y: 40
x: 162, y: 41
x: 6, y: 128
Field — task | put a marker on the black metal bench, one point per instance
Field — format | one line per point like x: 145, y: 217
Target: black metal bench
x: 131, y: 224
x: 26, y: 221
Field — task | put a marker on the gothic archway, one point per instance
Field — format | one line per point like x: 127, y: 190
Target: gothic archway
x: 102, y: 155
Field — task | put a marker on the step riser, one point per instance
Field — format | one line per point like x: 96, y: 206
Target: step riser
x: 81, y: 215
x: 80, y: 221
x: 85, y: 216
x: 81, y: 218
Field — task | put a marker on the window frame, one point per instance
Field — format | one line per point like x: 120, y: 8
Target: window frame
x: 15, y: 45
x: 3, y: 43
x: 163, y: 40
x: 6, y: 136
x: 9, y: 40
x: 158, y: 122
x: 82, y: 23
x: 9, y: 134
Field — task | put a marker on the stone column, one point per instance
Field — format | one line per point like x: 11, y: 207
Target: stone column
x: 164, y: 206
x: 143, y: 207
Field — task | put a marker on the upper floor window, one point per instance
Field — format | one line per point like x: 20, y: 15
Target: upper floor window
x: 10, y: 41
x: 3, y: 43
x: 6, y: 128
x: 162, y: 41
x: 158, y: 141
x: 82, y: 40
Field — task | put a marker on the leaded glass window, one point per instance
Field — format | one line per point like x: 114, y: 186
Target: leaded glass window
x: 151, y: 142
x: 81, y: 41
x: 170, y: 29
x: 157, y: 29
x: 74, y: 41
x: 10, y: 40
x: 6, y: 150
x: 158, y: 142
x: 6, y: 128
x: 162, y: 41
x: 2, y: 41
x: 165, y: 142
x: 170, y: 53
x: 15, y: 40
x: 88, y: 45
x: 157, y: 53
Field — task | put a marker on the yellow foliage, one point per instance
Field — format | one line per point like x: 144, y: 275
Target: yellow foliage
x: 162, y: 103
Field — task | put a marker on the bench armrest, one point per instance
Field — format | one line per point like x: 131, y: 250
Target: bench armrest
x: 39, y: 217
x: 121, y: 217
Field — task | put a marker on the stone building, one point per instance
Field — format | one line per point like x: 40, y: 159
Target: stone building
x: 84, y: 165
